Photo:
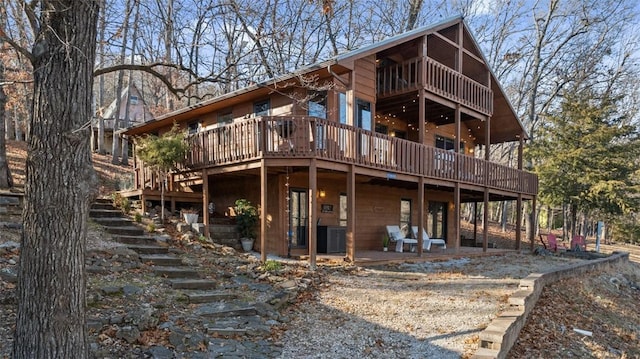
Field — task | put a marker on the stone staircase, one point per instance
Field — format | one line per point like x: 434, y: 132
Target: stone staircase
x: 224, y: 232
x: 163, y: 262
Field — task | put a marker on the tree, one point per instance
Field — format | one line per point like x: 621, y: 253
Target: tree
x: 60, y: 182
x: 163, y: 154
x: 6, y: 181
x: 586, y: 157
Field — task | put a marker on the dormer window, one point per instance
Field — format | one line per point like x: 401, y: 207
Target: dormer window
x: 133, y: 100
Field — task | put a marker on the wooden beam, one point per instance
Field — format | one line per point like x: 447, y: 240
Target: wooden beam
x: 351, y: 214
x: 456, y: 217
x: 520, y: 150
x: 485, y: 221
x: 313, y: 213
x: 421, y: 116
x: 534, y: 220
x: 421, y: 204
x: 205, y: 202
x: 263, y: 214
x: 518, y: 222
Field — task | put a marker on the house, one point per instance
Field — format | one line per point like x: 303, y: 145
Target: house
x: 138, y: 114
x: 385, y: 135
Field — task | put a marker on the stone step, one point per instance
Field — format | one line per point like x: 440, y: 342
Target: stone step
x: 9, y: 201
x: 226, y: 312
x: 114, y: 222
x: 210, y: 296
x: 161, y: 259
x: 226, y: 331
x: 148, y: 240
x: 105, y: 213
x: 223, y: 231
x: 126, y: 231
x: 175, y: 272
x: 148, y: 249
x: 203, y: 284
x: 102, y: 205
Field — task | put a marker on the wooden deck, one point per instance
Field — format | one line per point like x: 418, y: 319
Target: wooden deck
x: 291, y: 137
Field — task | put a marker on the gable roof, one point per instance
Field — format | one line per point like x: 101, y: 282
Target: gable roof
x: 505, y: 125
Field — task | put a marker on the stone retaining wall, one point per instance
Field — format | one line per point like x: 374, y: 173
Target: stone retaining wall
x: 498, y: 338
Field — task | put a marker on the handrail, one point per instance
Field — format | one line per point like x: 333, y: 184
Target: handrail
x: 310, y: 137
x: 441, y: 80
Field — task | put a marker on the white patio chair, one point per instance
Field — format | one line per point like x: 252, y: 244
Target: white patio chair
x: 426, y: 241
x: 395, y: 235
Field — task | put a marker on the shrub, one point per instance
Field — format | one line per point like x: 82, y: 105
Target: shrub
x: 271, y: 265
x: 246, y: 218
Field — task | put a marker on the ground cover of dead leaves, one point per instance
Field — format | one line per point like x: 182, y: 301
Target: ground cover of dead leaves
x: 603, y: 303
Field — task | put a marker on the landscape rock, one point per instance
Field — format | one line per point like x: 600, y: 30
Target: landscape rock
x: 129, y: 333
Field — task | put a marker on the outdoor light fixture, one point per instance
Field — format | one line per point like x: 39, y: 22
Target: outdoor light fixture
x: 322, y: 193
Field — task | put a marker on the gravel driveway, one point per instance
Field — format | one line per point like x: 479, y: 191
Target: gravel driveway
x: 423, y: 310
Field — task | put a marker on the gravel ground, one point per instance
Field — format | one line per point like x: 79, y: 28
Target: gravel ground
x: 427, y: 310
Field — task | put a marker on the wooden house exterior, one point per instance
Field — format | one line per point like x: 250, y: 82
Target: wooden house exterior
x: 384, y: 135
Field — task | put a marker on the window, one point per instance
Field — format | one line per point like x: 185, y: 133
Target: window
x: 383, y: 129
x: 318, y: 104
x: 437, y: 219
x: 405, y: 212
x: 133, y: 100
x: 342, y: 103
x: 447, y: 143
x: 225, y: 117
x: 262, y: 108
x: 193, y: 127
x: 343, y: 210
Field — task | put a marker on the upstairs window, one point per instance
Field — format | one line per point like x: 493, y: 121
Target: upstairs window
x: 262, y: 108
x: 447, y: 143
x: 318, y: 104
x: 133, y: 100
x: 225, y: 117
x: 193, y: 127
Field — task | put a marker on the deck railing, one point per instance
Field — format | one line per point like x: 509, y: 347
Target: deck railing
x: 441, y: 80
x: 309, y: 137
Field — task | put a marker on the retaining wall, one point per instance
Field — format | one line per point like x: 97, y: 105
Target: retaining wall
x: 498, y: 338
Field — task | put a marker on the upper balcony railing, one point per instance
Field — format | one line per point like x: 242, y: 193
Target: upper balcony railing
x: 441, y: 80
x: 309, y: 137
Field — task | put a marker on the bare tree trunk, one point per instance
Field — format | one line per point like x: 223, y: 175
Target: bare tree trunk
x: 6, y: 181
x: 127, y: 111
x: 414, y: 11
x: 103, y: 25
x: 60, y: 186
x: 115, y: 147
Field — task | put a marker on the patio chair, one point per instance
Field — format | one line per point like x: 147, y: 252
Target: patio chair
x: 426, y: 241
x: 578, y: 243
x: 553, y: 243
x: 395, y: 235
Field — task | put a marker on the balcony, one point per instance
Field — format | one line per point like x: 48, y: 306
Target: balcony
x: 308, y: 137
x: 441, y: 80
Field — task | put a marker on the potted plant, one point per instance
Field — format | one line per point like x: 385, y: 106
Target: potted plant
x: 385, y: 242
x: 246, y: 221
x: 190, y: 215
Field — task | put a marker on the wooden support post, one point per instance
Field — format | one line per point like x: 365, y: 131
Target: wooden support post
x: 519, y: 221
x: 485, y: 220
x: 351, y: 214
x: 534, y: 221
x: 475, y: 221
x: 263, y: 211
x: 420, y: 214
x: 313, y: 213
x: 456, y: 216
x: 205, y: 202
x: 421, y: 116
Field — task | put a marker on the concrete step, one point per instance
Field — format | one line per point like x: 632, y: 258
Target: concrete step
x: 9, y: 201
x: 223, y: 228
x: 114, y: 222
x: 145, y: 240
x: 148, y: 249
x: 202, y: 284
x: 105, y: 213
x: 176, y: 272
x: 209, y: 296
x: 161, y: 259
x: 126, y: 231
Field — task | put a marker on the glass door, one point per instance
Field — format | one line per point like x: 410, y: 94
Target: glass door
x: 437, y: 220
x: 363, y: 121
x: 298, y: 217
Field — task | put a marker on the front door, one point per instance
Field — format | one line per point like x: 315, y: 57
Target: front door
x: 298, y: 217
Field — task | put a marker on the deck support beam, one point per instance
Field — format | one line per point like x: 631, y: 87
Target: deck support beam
x: 313, y: 213
x: 421, y: 203
x: 205, y: 203
x: 351, y: 214
x: 485, y: 221
x: 263, y: 211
